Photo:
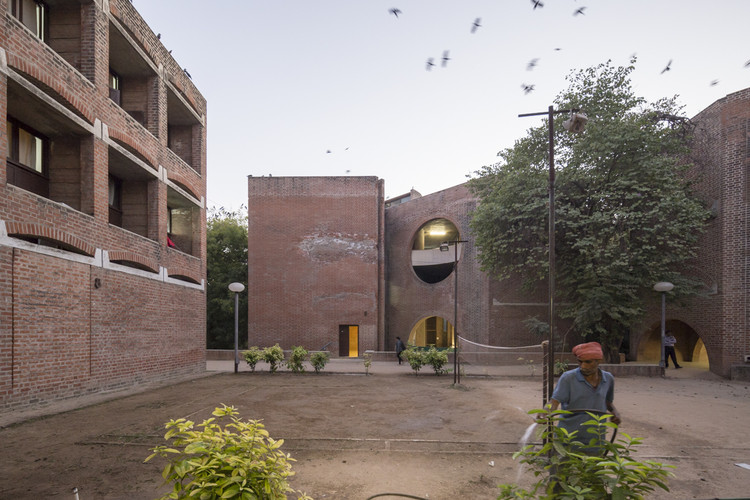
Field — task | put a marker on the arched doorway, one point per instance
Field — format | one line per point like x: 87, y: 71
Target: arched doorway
x: 432, y: 331
x: 689, y: 347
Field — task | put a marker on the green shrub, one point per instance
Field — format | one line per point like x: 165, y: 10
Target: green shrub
x: 318, y: 360
x: 237, y: 461
x: 415, y: 357
x: 368, y: 362
x: 273, y: 356
x: 296, y: 359
x: 252, y: 356
x: 613, y: 474
x: 437, y: 359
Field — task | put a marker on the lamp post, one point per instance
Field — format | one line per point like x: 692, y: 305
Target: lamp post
x: 444, y: 247
x: 576, y: 123
x: 236, y: 288
x: 663, y: 287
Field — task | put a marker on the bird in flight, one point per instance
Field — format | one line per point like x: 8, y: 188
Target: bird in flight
x: 445, y: 58
x: 714, y: 83
x: 527, y: 89
x: 532, y: 64
x: 430, y: 63
x: 747, y: 64
x: 537, y: 3
x: 667, y: 68
x: 579, y: 11
x: 477, y: 24
x: 395, y: 12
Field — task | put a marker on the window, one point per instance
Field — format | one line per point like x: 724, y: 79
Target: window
x: 114, y: 86
x: 27, y: 158
x: 33, y: 15
x: 115, y: 201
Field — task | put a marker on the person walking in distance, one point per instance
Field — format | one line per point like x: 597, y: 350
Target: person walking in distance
x: 400, y: 347
x: 669, y: 342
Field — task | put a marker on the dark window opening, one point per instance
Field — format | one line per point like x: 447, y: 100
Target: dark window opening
x: 115, y: 201
x: 46, y: 242
x: 32, y: 14
x: 28, y: 153
x: 114, y: 87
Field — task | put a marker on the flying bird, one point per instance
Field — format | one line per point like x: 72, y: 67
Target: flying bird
x: 395, y: 12
x: 747, y: 64
x: 430, y: 63
x: 714, y: 83
x: 527, y: 89
x: 668, y: 67
x: 579, y: 11
x: 445, y: 58
x: 477, y: 24
x: 537, y: 3
x: 532, y: 64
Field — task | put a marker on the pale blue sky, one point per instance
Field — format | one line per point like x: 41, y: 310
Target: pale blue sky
x: 288, y: 80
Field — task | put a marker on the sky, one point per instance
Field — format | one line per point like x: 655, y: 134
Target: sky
x: 341, y: 87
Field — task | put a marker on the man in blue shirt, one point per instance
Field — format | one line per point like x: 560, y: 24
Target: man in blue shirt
x: 585, y: 389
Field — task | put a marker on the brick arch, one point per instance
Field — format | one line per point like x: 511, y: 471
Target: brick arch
x: 688, y: 338
x: 126, y: 139
x: 57, y: 85
x: 140, y: 260
x: 185, y: 275
x: 50, y: 233
x: 184, y: 183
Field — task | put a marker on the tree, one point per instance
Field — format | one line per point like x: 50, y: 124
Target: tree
x: 226, y: 249
x: 626, y: 215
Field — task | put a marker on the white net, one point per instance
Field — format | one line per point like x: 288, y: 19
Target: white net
x: 526, y: 360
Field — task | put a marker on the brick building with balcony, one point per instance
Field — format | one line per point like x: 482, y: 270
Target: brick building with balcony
x: 102, y: 204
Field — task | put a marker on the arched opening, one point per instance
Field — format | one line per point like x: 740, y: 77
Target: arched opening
x: 689, y: 348
x: 432, y: 331
x: 432, y: 262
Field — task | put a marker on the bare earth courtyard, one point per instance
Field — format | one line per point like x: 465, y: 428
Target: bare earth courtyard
x: 355, y: 436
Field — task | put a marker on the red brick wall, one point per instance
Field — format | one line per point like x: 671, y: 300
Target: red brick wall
x: 314, y: 260
x: 69, y: 324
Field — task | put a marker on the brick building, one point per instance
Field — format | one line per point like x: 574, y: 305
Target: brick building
x: 315, y: 265
x: 415, y: 283
x: 102, y: 216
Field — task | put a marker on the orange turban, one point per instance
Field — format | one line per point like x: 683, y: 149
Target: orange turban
x: 591, y: 350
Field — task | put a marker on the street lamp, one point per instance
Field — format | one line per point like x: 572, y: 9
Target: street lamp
x: 663, y: 287
x: 575, y: 123
x: 236, y: 288
x: 444, y: 247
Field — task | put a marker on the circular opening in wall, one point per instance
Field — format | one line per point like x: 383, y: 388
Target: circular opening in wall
x: 433, y: 251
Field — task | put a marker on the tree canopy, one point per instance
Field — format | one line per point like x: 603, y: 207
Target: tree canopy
x: 626, y: 213
x: 226, y: 254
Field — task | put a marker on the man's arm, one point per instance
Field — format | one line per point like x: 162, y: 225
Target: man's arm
x: 615, y: 414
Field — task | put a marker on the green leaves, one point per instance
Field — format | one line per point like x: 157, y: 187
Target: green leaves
x: 625, y: 213
x: 565, y: 472
x: 238, y: 460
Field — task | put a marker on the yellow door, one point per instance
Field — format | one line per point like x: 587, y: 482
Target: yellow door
x: 353, y: 341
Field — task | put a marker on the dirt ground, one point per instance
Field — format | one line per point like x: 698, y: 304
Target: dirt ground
x: 357, y: 436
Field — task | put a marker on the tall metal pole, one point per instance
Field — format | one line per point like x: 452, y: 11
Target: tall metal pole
x: 456, y: 374
x: 663, y: 363
x: 236, y: 332
x: 550, y: 358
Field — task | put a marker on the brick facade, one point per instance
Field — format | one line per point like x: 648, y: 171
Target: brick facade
x: 92, y: 296
x: 315, y: 261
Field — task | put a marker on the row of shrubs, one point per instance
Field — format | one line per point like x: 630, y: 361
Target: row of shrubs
x: 274, y: 356
x: 418, y: 357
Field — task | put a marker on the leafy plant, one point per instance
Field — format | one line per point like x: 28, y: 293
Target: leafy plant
x: 437, y: 359
x: 318, y: 360
x: 560, y: 367
x: 296, y: 359
x: 569, y: 473
x: 252, y: 356
x: 368, y: 362
x: 273, y: 356
x: 415, y: 357
x: 238, y: 460
x: 530, y: 364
